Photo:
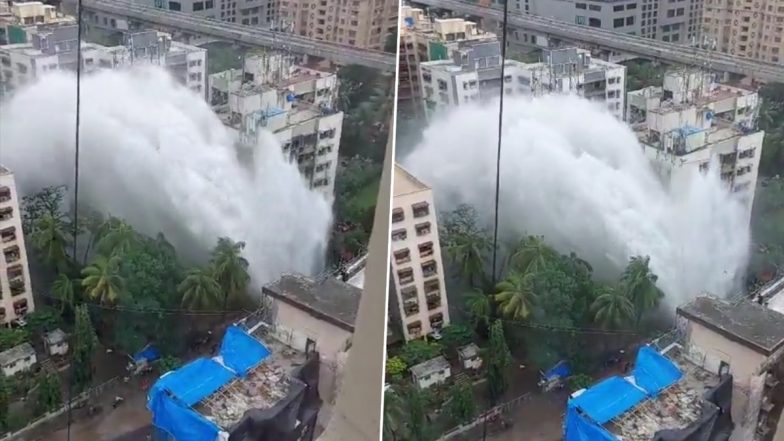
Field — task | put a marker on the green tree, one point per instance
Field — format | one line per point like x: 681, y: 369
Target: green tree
x: 498, y: 361
x: 49, y: 392
x: 532, y: 254
x: 48, y: 201
x: 117, y: 237
x: 466, y: 245
x: 396, y: 367
x: 461, y: 407
x: 63, y: 290
x: 516, y: 296
x: 417, y: 351
x: 11, y: 337
x: 102, y: 280
x: 50, y: 239
x: 612, y: 308
x: 44, y: 319
x: 92, y: 223
x: 479, y: 308
x: 394, y: 425
x: 415, y: 414
x: 199, y: 289
x: 456, y: 335
x: 84, y: 343
x: 580, y: 381
x: 230, y: 269
x: 639, y: 285
x: 167, y: 363
x: 5, y: 401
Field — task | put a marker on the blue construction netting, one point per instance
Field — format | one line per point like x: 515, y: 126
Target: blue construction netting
x: 560, y: 370
x: 192, y: 382
x: 179, y: 421
x: 608, y: 399
x: 240, y: 351
x: 148, y: 354
x: 654, y: 372
x: 579, y: 428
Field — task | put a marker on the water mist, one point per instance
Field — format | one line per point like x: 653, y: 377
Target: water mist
x: 153, y: 153
x: 573, y: 173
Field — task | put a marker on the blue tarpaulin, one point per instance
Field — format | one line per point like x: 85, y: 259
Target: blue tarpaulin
x: 182, y: 423
x: 560, y: 370
x: 194, y: 381
x: 654, y: 372
x: 240, y: 351
x: 579, y: 428
x: 148, y: 354
x: 608, y: 399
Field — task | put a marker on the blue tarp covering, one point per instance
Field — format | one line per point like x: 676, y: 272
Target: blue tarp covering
x: 193, y: 381
x: 654, y: 372
x: 240, y: 351
x: 179, y: 421
x: 579, y: 428
x: 608, y: 399
x: 560, y: 370
x: 149, y: 354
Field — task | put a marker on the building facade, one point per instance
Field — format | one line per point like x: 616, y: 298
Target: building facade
x: 691, y: 121
x: 246, y: 12
x: 417, y: 270
x: 276, y: 93
x: 474, y: 74
x: 16, y: 292
x: 18, y: 359
x: 17, y: 20
x: 364, y: 24
x: 748, y: 29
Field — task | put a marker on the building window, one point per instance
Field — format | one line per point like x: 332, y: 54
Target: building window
x: 429, y: 268
x: 426, y: 249
x: 198, y: 6
x: 6, y: 213
x: 405, y: 276
x: 748, y: 153
x: 630, y: 20
x: 402, y: 256
x: 397, y: 215
x: 396, y: 235
x: 618, y: 23
x: 423, y: 229
x: 580, y: 5
x: 421, y: 209
x: 175, y: 6
x: 596, y: 8
x: 594, y: 22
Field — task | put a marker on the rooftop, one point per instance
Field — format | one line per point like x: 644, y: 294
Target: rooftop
x: 16, y: 353
x: 55, y: 337
x: 405, y: 183
x: 468, y: 351
x: 437, y: 364
x: 748, y: 323
x: 328, y: 299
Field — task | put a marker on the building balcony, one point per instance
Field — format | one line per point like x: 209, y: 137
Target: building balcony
x: 421, y: 209
x: 402, y: 256
x: 408, y: 293
x: 12, y: 255
x: 8, y: 235
x: 6, y: 214
x: 5, y: 194
x: 415, y: 329
x: 20, y: 307
x: 426, y: 249
x: 406, y: 277
x: 433, y: 303
x: 429, y: 269
x: 423, y: 229
x: 410, y: 310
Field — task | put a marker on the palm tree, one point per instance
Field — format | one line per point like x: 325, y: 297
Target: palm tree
x: 199, y: 289
x: 467, y: 249
x: 612, y: 309
x: 116, y: 238
x: 50, y: 239
x: 639, y: 285
x: 532, y: 254
x: 230, y: 269
x: 394, y: 416
x: 479, y: 308
x: 63, y: 291
x: 516, y: 296
x: 102, y: 280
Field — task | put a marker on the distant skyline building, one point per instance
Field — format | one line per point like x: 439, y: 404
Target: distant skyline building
x: 16, y: 292
x: 753, y: 30
x: 418, y: 301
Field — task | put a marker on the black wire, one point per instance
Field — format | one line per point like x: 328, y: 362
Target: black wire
x: 494, y: 274
x: 76, y: 178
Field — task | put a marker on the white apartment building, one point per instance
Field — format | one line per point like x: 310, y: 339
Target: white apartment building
x: 691, y: 121
x: 296, y: 103
x: 422, y: 40
x: 16, y: 293
x: 417, y: 271
x: 474, y: 74
x: 17, y: 20
x: 18, y: 359
x: 54, y: 48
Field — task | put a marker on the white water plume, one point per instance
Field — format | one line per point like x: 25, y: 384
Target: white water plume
x: 152, y: 152
x: 573, y: 173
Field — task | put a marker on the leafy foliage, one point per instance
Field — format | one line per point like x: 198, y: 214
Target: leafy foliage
x: 5, y: 401
x: 49, y: 393
x: 47, y: 202
x: 466, y: 244
x: 230, y: 269
x: 43, y: 320
x: 415, y: 414
x: 396, y: 367
x: 580, y: 381
x: 417, y: 351
x: 456, y: 335
x: 771, y: 120
x: 84, y: 343
x: 13, y: 337
x: 394, y: 424
x: 167, y: 363
x: 498, y: 360
x: 461, y: 407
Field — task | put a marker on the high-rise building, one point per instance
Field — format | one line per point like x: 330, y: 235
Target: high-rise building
x: 360, y: 23
x: 247, y: 12
x: 748, y: 29
x: 16, y: 293
x: 691, y: 121
x: 276, y: 92
x: 474, y: 74
x: 419, y: 294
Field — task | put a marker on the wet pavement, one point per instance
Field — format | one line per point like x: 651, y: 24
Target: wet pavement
x: 539, y: 419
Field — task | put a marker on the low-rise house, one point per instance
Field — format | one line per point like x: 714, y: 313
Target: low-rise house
x: 469, y: 356
x: 434, y: 371
x: 18, y: 359
x: 55, y: 342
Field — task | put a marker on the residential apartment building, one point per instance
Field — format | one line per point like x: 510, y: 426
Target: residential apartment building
x: 417, y: 272
x: 360, y: 23
x: 474, y: 74
x: 17, y: 20
x: 666, y: 20
x: 748, y: 29
x: 691, y: 121
x: 422, y: 40
x: 16, y: 292
x: 54, y: 48
x: 275, y: 92
x: 247, y: 12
